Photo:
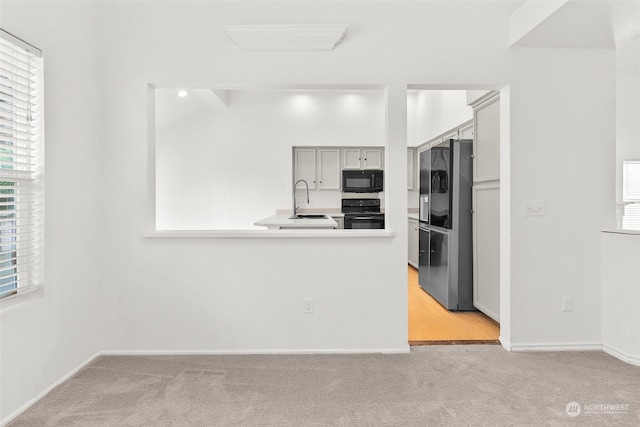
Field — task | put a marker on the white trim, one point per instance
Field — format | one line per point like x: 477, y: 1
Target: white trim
x: 20, y: 43
x: 261, y: 234
x: 619, y: 354
x: 267, y: 351
x: 32, y: 293
x: 568, y: 346
x: 506, y: 344
x: 484, y: 101
x: 286, y: 37
x: 33, y: 401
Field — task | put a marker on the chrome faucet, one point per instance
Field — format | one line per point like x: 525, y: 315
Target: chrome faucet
x: 295, y: 208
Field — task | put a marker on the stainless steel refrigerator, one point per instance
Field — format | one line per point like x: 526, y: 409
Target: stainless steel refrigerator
x: 446, y: 251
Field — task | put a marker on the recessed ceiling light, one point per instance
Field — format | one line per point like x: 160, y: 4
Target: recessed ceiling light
x: 182, y: 93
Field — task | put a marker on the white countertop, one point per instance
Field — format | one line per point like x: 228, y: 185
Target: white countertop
x: 413, y: 216
x: 280, y: 221
x: 336, y: 213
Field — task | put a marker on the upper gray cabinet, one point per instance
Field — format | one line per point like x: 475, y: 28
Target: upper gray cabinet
x: 362, y: 158
x: 319, y: 167
x: 486, y: 149
x: 328, y: 168
x: 411, y: 169
x: 304, y: 160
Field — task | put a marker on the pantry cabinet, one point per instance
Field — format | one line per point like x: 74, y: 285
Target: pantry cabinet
x: 486, y: 205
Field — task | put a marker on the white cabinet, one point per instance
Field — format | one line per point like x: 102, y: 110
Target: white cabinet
x: 362, y: 158
x: 466, y: 132
x: 486, y: 147
x: 351, y: 158
x: 320, y: 167
x: 411, y: 169
x: 328, y: 169
x: 304, y: 166
x: 486, y: 206
x: 414, y: 241
x: 372, y: 158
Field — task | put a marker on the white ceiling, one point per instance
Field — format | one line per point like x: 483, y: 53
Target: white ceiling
x: 600, y: 24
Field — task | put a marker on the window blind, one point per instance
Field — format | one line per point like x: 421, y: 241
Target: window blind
x: 21, y: 166
x: 631, y: 194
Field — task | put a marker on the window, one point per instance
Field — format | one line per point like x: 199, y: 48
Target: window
x: 631, y: 194
x: 21, y: 166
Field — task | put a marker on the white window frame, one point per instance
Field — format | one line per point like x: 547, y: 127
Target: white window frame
x: 631, y: 194
x: 21, y: 167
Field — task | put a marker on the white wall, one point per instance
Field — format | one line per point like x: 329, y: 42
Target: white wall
x: 621, y: 295
x: 46, y: 335
x: 211, y: 294
x: 562, y: 152
x: 627, y: 107
x: 433, y: 112
x: 229, y: 166
x: 247, y: 294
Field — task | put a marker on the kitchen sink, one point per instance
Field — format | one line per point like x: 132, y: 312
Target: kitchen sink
x: 307, y: 216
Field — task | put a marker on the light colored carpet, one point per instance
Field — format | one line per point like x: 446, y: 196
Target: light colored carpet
x: 431, y: 386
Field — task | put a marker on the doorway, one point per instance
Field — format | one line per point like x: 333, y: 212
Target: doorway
x: 435, y: 117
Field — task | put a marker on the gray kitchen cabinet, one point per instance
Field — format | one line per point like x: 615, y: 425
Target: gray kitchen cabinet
x: 304, y: 160
x: 486, y: 205
x: 411, y: 169
x: 414, y: 241
x: 320, y: 167
x: 362, y: 158
x: 351, y: 158
x: 466, y: 131
x: 328, y: 169
x: 372, y: 158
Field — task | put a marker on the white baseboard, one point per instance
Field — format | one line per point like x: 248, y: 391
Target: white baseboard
x: 569, y: 346
x: 254, y: 351
x: 506, y: 344
x: 62, y: 379
x: 619, y: 354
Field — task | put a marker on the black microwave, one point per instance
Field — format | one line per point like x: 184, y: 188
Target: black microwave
x: 362, y: 181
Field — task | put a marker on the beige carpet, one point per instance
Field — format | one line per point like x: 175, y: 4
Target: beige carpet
x: 431, y: 386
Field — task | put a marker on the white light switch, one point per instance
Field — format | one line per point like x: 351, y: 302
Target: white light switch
x: 535, y: 208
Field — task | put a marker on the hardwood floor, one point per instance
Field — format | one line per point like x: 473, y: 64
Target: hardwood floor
x: 431, y: 323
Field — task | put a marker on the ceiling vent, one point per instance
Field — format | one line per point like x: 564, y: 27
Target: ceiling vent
x: 286, y: 37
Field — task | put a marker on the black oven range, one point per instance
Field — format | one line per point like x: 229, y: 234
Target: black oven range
x: 362, y: 214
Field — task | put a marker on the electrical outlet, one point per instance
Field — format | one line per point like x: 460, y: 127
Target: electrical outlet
x: 308, y: 306
x: 567, y: 303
